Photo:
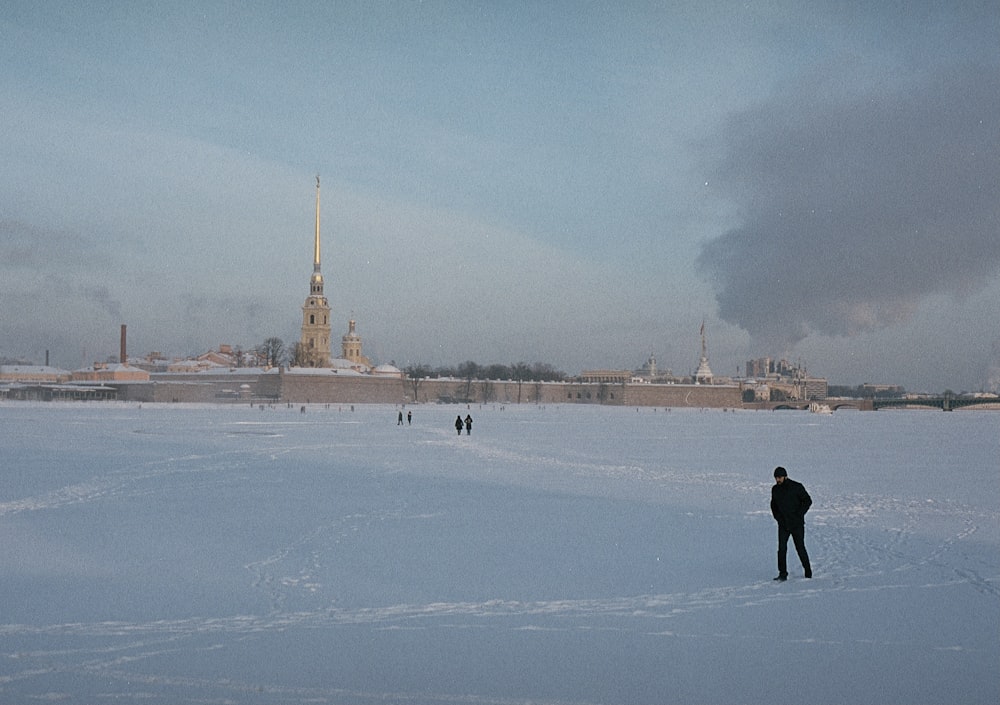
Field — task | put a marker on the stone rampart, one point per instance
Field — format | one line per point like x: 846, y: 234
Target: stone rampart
x: 327, y: 387
x: 203, y: 388
x: 726, y: 396
x: 610, y: 394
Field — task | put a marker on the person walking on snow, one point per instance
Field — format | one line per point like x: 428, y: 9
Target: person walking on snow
x: 459, y: 424
x: 789, y: 504
x: 468, y: 425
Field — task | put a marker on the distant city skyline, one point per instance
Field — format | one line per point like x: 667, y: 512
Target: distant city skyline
x: 578, y: 185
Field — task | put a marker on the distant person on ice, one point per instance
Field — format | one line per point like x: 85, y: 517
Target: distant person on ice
x: 409, y: 417
x: 459, y: 424
x: 468, y: 425
x: 789, y: 504
x: 400, y: 422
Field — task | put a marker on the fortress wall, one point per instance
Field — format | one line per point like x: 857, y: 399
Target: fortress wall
x: 201, y: 388
x: 186, y: 391
x: 476, y: 391
x: 134, y: 391
x: 680, y: 395
x: 485, y: 391
x: 268, y: 387
x: 507, y: 392
x: 328, y: 388
x: 325, y: 387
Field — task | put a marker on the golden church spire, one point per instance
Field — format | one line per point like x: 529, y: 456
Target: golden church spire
x: 316, y: 283
x: 315, y: 340
x: 316, y: 246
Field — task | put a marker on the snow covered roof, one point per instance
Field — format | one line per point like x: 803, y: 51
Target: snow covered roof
x: 31, y: 370
x: 317, y: 371
x: 343, y: 363
x: 108, y: 366
x: 224, y: 370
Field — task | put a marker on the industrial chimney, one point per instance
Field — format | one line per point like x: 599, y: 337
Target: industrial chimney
x: 124, y: 357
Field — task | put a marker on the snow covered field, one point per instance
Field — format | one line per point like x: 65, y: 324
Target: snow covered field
x: 562, y: 554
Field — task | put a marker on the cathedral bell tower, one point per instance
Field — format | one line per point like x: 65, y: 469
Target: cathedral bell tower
x: 350, y: 347
x: 315, y: 341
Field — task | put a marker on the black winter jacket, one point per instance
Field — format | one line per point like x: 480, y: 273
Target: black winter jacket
x: 789, y: 503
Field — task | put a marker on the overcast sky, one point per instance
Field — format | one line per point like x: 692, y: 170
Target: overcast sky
x: 577, y: 183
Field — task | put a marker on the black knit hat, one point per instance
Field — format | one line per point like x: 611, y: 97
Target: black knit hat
x: 780, y: 472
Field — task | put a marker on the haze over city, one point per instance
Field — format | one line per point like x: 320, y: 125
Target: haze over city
x: 578, y: 184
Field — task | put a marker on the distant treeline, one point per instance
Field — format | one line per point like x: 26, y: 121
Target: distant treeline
x: 864, y: 392
x: 521, y: 371
x: 273, y: 351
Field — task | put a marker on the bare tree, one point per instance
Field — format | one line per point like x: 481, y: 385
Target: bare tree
x: 300, y: 355
x: 494, y: 371
x: 273, y: 352
x: 520, y: 372
x: 470, y: 371
x: 416, y: 374
x: 544, y: 372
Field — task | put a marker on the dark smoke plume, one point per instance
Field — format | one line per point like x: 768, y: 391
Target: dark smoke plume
x: 855, y: 208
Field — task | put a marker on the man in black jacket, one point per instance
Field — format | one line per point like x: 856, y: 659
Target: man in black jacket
x: 789, y: 504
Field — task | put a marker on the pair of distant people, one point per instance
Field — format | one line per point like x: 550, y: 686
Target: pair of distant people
x: 466, y: 424
x: 409, y: 418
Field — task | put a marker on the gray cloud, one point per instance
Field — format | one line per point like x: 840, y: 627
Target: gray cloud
x: 29, y: 247
x: 53, y: 263
x: 100, y: 296
x: 210, y: 320
x: 853, y: 208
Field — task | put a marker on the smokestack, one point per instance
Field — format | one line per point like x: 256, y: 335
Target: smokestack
x: 46, y: 358
x: 124, y: 357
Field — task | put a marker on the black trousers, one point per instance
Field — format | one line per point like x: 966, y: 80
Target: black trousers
x: 798, y: 534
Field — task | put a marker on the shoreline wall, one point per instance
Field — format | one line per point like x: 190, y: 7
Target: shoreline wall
x: 325, y: 387
x: 510, y: 392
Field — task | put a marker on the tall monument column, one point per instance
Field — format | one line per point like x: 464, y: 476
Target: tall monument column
x: 315, y: 340
x: 704, y: 373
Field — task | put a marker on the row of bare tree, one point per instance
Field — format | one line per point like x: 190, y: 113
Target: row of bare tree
x: 274, y: 352
x: 519, y: 371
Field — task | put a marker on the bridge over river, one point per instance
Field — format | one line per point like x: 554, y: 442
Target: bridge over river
x: 946, y: 402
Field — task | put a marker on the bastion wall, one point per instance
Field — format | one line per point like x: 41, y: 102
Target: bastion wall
x: 326, y: 387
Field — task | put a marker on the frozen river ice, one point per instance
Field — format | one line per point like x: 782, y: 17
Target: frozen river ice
x: 558, y: 554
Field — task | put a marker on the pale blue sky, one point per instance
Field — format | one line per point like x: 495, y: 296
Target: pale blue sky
x: 574, y: 183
